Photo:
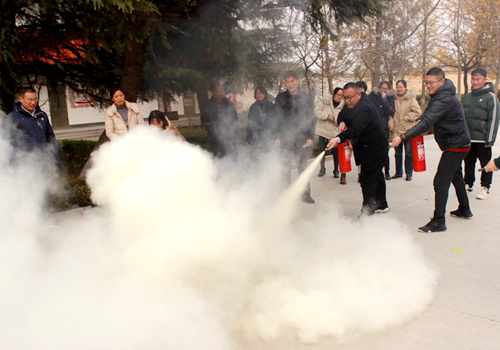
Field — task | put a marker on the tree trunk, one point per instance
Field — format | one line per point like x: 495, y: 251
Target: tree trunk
x: 424, y: 58
x: 202, y: 96
x: 58, y: 105
x: 377, y: 62
x: 131, y: 78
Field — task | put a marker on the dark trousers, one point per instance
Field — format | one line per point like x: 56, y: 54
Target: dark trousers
x: 398, y: 155
x: 449, y: 172
x: 322, y: 145
x: 301, y: 155
x: 387, y: 163
x: 478, y: 151
x: 372, y: 182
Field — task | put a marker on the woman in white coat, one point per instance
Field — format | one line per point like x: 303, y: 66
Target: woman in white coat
x: 121, y: 116
x: 327, y: 112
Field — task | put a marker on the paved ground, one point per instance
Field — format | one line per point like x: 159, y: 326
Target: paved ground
x: 465, y: 312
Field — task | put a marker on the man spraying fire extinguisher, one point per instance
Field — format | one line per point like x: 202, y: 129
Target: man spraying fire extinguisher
x: 446, y: 114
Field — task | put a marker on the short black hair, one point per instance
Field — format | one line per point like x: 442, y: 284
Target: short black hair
x: 160, y: 116
x: 385, y: 82
x: 361, y: 84
x: 26, y: 89
x: 262, y: 90
x: 402, y: 81
x: 291, y: 73
x: 352, y: 85
x: 337, y: 89
x: 481, y: 71
x: 113, y: 91
x: 437, y: 72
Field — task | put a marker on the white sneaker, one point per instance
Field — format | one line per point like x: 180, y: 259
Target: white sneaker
x: 485, y: 193
x: 382, y: 210
x: 469, y: 189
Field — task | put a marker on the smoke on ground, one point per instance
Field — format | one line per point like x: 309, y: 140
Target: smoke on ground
x: 184, y: 252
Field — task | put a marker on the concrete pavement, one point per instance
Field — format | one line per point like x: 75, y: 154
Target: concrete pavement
x: 465, y: 312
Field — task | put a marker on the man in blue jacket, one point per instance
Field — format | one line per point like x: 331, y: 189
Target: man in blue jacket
x: 482, y: 114
x: 30, y: 127
x: 445, y: 112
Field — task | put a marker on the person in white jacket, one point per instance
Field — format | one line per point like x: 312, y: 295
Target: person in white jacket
x: 121, y: 116
x: 327, y: 112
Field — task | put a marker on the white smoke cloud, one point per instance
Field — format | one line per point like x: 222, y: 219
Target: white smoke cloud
x: 187, y: 253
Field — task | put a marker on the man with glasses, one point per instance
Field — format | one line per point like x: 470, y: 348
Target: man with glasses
x: 360, y: 123
x: 445, y: 113
x: 30, y: 126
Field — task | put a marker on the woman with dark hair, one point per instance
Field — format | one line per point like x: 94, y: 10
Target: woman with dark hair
x: 261, y: 120
x: 327, y: 112
x: 159, y: 119
x: 405, y: 117
x: 121, y: 116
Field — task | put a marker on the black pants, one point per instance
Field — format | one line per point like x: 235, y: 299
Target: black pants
x: 372, y: 182
x: 449, y: 172
x: 322, y: 145
x: 301, y: 154
x: 398, y: 155
x: 478, y: 151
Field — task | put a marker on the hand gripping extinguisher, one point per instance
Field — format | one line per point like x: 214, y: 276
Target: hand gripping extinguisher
x: 418, y: 153
x: 344, y: 153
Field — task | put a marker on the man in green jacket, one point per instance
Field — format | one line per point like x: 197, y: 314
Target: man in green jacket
x: 482, y: 113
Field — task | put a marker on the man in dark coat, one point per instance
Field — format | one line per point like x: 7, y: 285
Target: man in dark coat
x: 295, y: 129
x: 220, y: 120
x: 450, y: 131
x: 383, y: 100
x: 482, y: 113
x: 360, y: 123
x: 30, y: 127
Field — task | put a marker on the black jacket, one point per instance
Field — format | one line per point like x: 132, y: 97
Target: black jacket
x: 385, y: 107
x: 32, y: 132
x: 210, y: 118
x: 365, y: 130
x: 261, y: 122
x: 296, y: 119
x: 445, y: 112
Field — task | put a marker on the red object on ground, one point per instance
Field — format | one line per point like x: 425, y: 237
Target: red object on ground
x: 344, y: 157
x: 418, y: 152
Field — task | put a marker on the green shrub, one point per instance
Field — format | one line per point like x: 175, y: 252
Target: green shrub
x: 73, y: 155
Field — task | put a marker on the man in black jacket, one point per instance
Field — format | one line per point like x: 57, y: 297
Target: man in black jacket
x: 295, y: 129
x: 220, y: 120
x: 360, y: 123
x: 450, y: 131
x: 30, y: 127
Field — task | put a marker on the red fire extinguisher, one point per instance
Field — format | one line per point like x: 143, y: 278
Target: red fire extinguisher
x: 344, y: 153
x: 418, y: 152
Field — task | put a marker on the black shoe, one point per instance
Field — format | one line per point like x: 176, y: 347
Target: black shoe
x: 307, y: 199
x: 322, y: 172
x: 432, y: 226
x: 387, y: 176
x: 397, y: 176
x: 409, y: 177
x: 461, y: 213
x: 336, y: 174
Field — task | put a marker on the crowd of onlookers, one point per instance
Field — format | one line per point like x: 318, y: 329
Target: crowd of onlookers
x: 367, y: 123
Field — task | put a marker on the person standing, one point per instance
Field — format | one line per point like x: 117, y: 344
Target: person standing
x: 407, y: 111
x: 327, y: 112
x: 30, y: 126
x: 482, y: 114
x: 383, y: 100
x: 261, y: 120
x: 220, y: 120
x: 446, y: 114
x: 360, y: 123
x: 295, y: 130
x: 121, y: 116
